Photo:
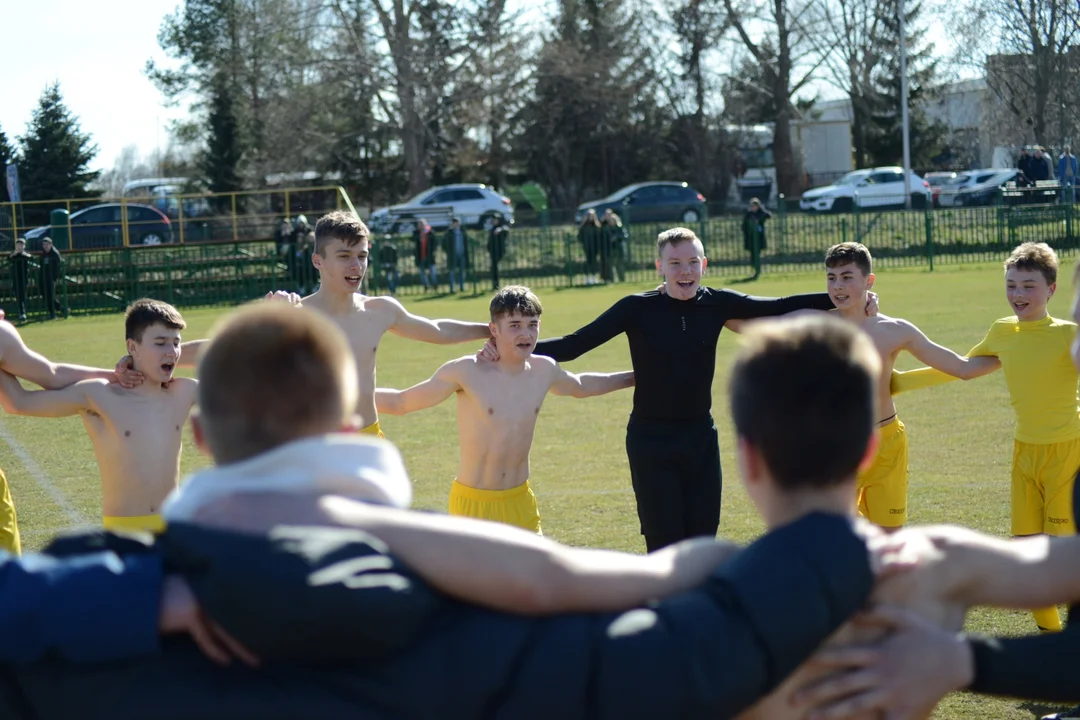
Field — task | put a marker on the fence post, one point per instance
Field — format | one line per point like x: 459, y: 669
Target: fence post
x: 1067, y: 194
x: 567, y: 244
x: 857, y: 233
x: 781, y: 210
x: 929, y: 233
x: 843, y: 230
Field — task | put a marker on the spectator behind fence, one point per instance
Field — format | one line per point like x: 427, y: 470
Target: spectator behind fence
x: 589, y: 234
x: 388, y: 264
x: 424, y: 241
x: 754, y: 230
x: 456, y: 247
x: 19, y: 260
x: 1067, y: 171
x: 616, y: 242
x: 51, y: 269
x: 498, y: 239
x: 1040, y: 166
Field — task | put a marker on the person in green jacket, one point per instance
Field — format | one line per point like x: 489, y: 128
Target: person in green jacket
x: 590, y: 237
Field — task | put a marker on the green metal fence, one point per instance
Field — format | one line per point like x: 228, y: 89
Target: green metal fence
x: 232, y: 272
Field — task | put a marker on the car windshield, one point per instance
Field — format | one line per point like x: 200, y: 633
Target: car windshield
x: 938, y: 179
x: 851, y: 178
x: 621, y: 193
x: 415, y: 200
x: 958, y: 180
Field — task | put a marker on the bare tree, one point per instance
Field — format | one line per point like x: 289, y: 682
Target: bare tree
x: 1026, y: 50
x: 852, y: 27
x: 789, y: 55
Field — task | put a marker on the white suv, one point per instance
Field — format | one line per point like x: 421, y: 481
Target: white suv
x: 475, y: 205
x: 875, y: 187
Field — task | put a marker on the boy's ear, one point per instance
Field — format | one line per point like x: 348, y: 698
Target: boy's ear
x: 132, y: 346
x: 870, y: 280
x: 1053, y: 287
x: 198, y: 433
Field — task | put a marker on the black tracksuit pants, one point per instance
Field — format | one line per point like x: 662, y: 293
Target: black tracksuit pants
x: 675, y: 470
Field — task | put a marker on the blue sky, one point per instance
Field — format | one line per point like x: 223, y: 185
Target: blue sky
x: 97, y: 52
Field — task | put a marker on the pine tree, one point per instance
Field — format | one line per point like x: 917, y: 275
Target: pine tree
x: 221, y: 161
x: 56, y: 154
x: 7, y: 154
x: 885, y: 141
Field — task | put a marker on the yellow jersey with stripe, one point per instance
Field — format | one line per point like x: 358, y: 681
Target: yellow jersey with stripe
x: 1039, y: 372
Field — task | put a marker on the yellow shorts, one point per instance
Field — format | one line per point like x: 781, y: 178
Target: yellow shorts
x: 372, y: 429
x: 136, y: 523
x: 882, y: 487
x: 9, y: 522
x: 516, y: 506
x: 1042, y: 486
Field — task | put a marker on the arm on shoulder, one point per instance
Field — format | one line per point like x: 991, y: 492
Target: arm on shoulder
x: 971, y: 568
x: 429, y: 393
x: 71, y: 400
x: 583, y: 385
x: 439, y: 332
x: 509, y: 569
x: 19, y: 360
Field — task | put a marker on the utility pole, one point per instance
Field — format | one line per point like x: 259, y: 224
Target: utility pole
x: 904, y: 121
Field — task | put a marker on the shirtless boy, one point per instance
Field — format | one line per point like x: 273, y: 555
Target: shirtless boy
x: 342, y: 242
x: 498, y: 403
x: 882, y: 487
x: 21, y: 361
x: 136, y: 432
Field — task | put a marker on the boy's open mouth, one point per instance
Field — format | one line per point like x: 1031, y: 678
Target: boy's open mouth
x: 684, y: 283
x: 168, y: 367
x: 352, y: 279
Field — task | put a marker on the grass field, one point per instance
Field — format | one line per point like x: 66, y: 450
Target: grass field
x: 960, y: 434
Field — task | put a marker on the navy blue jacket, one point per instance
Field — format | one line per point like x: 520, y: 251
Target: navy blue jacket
x: 348, y: 632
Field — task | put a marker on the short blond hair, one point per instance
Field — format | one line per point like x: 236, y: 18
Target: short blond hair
x: 675, y: 236
x: 1035, y: 256
x: 272, y: 374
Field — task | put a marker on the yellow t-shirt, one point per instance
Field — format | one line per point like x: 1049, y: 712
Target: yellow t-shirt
x: 1039, y: 372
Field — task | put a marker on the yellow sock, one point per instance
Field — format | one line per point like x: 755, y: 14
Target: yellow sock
x: 1048, y: 619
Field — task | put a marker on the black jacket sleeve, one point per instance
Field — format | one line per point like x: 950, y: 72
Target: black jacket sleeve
x: 91, y: 606
x: 614, y: 321
x: 740, y: 306
x: 1037, y: 667
x: 715, y: 651
x: 322, y: 593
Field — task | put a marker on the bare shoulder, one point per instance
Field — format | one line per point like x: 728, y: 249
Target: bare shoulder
x: 184, y: 387
x: 383, y: 304
x: 543, y: 363
x: 887, y: 326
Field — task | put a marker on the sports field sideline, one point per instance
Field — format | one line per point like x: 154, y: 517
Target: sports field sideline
x: 960, y: 434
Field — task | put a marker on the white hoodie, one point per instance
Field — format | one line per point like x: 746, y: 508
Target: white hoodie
x: 354, y: 466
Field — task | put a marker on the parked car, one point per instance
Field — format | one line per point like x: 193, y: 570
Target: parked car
x: 869, y: 188
x: 476, y: 206
x: 937, y: 179
x: 975, y: 187
x: 101, y: 226
x: 650, y: 202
